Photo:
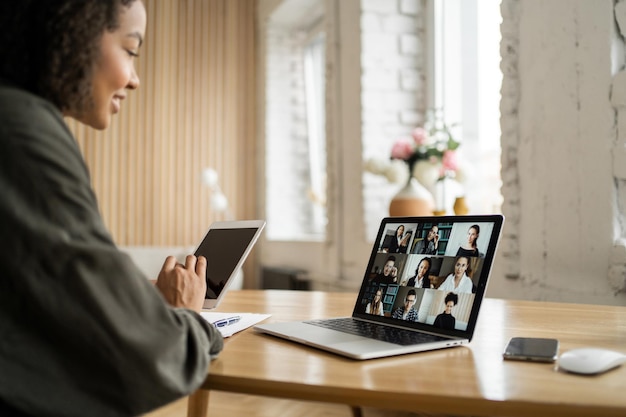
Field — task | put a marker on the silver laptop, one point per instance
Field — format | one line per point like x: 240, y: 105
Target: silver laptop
x: 422, y: 290
x: 226, y: 245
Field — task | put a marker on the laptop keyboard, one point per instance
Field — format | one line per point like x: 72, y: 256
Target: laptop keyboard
x: 376, y: 331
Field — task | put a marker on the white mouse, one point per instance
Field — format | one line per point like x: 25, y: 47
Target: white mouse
x: 590, y: 360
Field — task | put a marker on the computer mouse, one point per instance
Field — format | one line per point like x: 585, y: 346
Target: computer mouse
x: 590, y: 360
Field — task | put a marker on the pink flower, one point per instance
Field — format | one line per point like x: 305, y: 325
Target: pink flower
x: 402, y: 149
x: 419, y: 136
x: 449, y: 161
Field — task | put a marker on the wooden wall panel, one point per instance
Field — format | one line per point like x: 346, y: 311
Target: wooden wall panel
x: 194, y: 109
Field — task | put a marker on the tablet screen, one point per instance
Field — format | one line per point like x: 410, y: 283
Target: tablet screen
x: 223, y: 249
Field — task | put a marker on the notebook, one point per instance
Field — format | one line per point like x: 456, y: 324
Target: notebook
x: 226, y: 246
x: 422, y: 290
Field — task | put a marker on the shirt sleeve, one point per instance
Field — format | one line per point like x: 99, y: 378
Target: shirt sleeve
x: 83, y: 331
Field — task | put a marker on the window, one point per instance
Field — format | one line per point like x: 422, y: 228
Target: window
x: 314, y: 87
x: 312, y: 139
x: 343, y: 79
x: 467, y: 80
x: 447, y: 57
x: 295, y: 124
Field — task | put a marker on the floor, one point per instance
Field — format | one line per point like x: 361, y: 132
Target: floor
x: 234, y: 405
x: 239, y: 405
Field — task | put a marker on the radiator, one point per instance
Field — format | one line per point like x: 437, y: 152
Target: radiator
x: 284, y: 279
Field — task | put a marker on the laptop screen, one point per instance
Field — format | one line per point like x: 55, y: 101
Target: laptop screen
x: 430, y: 272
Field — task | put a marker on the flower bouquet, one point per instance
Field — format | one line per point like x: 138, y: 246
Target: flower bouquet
x: 430, y: 153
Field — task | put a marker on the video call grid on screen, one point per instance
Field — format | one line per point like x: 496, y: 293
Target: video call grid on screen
x: 439, y: 248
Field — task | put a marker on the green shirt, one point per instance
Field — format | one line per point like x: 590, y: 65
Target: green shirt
x: 82, y: 331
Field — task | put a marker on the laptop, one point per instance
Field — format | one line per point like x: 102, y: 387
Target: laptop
x: 422, y: 290
x: 226, y: 245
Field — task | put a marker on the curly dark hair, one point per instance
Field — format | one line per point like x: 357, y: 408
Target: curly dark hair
x: 49, y: 47
x: 452, y: 297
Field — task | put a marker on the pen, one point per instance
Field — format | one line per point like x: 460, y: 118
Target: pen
x: 227, y: 321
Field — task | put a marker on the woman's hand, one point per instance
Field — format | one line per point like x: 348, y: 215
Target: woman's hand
x: 183, y: 285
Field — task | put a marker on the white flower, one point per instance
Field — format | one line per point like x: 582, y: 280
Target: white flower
x: 376, y: 166
x: 460, y: 175
x: 427, y: 172
x: 397, y: 172
x: 394, y: 171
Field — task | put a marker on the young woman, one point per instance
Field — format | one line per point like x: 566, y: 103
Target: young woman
x: 394, y: 244
x: 405, y: 242
x: 446, y: 320
x: 376, y: 305
x: 421, y: 278
x: 83, y: 331
x: 389, y: 274
x: 470, y: 247
x: 458, y: 281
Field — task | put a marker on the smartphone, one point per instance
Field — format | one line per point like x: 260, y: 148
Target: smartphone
x: 531, y: 349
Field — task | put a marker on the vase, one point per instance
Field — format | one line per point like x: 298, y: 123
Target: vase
x: 460, y: 206
x: 412, y: 200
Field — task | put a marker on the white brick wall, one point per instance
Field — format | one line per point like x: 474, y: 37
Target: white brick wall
x: 509, y: 124
x: 393, y: 88
x: 411, y: 45
x: 380, y: 7
x: 412, y: 7
x: 562, y: 153
x: 617, y: 268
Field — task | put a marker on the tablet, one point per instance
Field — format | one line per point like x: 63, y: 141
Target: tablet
x: 226, y: 246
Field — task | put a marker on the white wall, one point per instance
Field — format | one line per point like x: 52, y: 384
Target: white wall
x: 559, y: 130
x: 393, y: 89
x: 563, y: 120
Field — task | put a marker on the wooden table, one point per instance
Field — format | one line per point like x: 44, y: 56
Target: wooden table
x: 468, y: 380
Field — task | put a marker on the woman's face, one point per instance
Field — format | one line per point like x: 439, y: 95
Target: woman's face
x: 378, y: 295
x: 400, y: 231
x: 422, y: 268
x: 388, y: 268
x: 114, y: 69
x: 449, y: 306
x: 460, y: 267
x: 472, y: 235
